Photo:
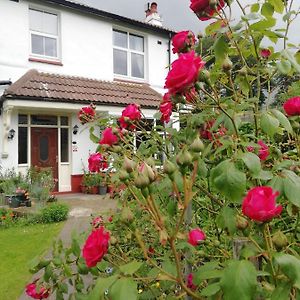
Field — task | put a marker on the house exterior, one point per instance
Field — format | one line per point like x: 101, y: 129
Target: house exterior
x: 57, y: 56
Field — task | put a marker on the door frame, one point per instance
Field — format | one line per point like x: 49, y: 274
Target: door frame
x: 28, y: 125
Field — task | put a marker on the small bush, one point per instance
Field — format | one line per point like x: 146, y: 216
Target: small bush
x: 55, y: 212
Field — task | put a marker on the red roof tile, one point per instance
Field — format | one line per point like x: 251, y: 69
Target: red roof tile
x: 36, y: 85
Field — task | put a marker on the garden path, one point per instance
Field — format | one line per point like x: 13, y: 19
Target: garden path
x: 82, y: 206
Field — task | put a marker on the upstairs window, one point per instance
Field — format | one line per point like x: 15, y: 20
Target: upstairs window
x: 129, y: 54
x: 43, y: 33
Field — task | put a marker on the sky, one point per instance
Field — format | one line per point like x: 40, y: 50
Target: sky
x: 176, y: 14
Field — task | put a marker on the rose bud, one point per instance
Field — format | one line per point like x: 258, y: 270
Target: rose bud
x: 129, y: 165
x: 169, y: 167
x: 163, y: 237
x: 241, y: 223
x: 123, y: 175
x: 243, y: 71
x: 279, y: 240
x: 141, y: 181
x: 126, y: 215
x: 213, y: 3
x: 184, y: 158
x: 227, y: 64
x: 113, y: 240
x: 196, y: 236
x: 148, y: 172
x: 197, y: 145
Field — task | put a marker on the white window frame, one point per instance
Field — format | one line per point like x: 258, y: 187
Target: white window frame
x: 129, y: 51
x: 43, y: 34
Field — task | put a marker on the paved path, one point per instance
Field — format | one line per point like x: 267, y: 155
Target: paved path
x: 82, y: 206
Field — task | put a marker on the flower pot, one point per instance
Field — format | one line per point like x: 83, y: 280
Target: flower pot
x: 102, y: 189
x: 93, y: 190
x: 13, y: 202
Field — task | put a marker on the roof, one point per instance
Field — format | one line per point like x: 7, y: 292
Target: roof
x: 39, y: 86
x: 111, y: 16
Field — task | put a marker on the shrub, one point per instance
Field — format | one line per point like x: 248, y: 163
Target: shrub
x: 55, y: 212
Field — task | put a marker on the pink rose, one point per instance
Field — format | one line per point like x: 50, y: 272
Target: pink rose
x: 196, y: 236
x: 292, y: 106
x: 108, y: 137
x: 87, y: 114
x: 190, y: 283
x: 263, y: 151
x: 130, y: 114
x: 166, y: 108
x: 97, y: 162
x: 31, y: 291
x: 95, y: 247
x: 183, y: 41
x: 203, y: 10
x: 97, y: 222
x: 260, y: 204
x: 265, y: 53
x: 184, y: 72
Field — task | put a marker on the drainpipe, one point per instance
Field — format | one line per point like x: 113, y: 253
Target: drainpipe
x: 169, y: 50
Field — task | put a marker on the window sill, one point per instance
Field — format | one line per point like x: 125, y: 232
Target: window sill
x: 45, y: 61
x: 130, y: 80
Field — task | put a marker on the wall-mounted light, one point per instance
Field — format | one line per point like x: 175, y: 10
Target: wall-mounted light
x: 75, y: 129
x: 11, y: 134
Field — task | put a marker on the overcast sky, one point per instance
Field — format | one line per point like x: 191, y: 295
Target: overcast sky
x: 176, y: 14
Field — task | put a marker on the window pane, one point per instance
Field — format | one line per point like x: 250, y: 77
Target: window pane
x: 136, y: 43
x: 120, y: 62
x: 43, y: 120
x: 37, y: 44
x: 64, y: 144
x: 36, y: 20
x: 50, y: 47
x: 120, y: 39
x: 50, y: 23
x: 44, y: 149
x: 23, y: 119
x: 22, y: 145
x: 64, y: 121
x: 137, y: 65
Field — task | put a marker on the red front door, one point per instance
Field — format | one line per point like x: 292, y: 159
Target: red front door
x: 44, y: 150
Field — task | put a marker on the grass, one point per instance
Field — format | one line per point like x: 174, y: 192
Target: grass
x: 18, y: 246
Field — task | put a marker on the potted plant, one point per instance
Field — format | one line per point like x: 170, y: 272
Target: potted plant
x: 89, y: 183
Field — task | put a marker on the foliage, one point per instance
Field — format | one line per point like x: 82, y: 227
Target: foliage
x: 55, y: 212
x: 225, y: 171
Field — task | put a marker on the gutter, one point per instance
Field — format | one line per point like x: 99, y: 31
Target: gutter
x: 5, y: 82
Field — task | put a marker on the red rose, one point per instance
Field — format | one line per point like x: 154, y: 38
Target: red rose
x: 203, y: 10
x: 130, y: 114
x: 87, y: 114
x: 183, y: 41
x: 190, y: 283
x: 265, y: 53
x: 184, y: 72
x: 292, y: 106
x: 263, y: 151
x: 166, y: 108
x: 97, y: 162
x: 31, y: 291
x: 97, y: 222
x: 260, y: 204
x: 108, y: 137
x: 95, y: 247
x: 196, y: 236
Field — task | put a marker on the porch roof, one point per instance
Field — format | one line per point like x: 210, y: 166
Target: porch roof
x: 40, y: 86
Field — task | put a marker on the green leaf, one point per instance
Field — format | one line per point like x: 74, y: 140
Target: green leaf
x: 229, y: 181
x: 210, y: 290
x: 252, y: 162
x: 283, y: 120
x: 269, y: 124
x: 264, y: 175
x: 221, y: 48
x: 75, y: 247
x: 93, y: 137
x: 290, y: 266
x: 289, y: 56
x: 284, y: 67
x: 277, y: 184
x: 267, y: 10
x: 131, y: 267
x: 227, y: 220
x: 282, y: 291
x: 252, y: 16
x: 264, y: 24
x: 239, y: 281
x: 102, y: 284
x: 124, y: 288
x: 255, y: 7
x: 210, y: 274
x: 213, y: 27
x: 291, y: 186
x: 278, y: 5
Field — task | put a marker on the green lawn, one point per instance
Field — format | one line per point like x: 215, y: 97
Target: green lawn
x: 18, y: 246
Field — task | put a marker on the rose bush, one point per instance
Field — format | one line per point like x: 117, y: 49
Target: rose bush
x: 232, y: 169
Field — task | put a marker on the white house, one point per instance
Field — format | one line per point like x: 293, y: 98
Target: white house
x: 57, y: 56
